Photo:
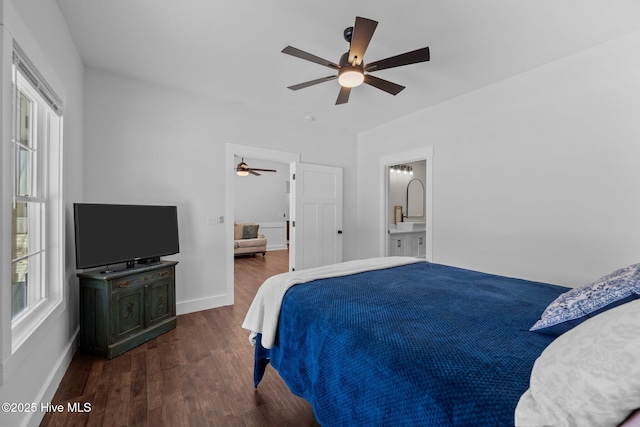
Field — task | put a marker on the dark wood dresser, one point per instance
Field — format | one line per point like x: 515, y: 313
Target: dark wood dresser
x: 123, y: 309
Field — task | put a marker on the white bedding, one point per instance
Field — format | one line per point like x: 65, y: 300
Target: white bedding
x: 264, y: 312
x: 589, y: 376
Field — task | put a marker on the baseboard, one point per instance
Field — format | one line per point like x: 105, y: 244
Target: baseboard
x: 276, y: 248
x: 201, y: 304
x: 52, y: 382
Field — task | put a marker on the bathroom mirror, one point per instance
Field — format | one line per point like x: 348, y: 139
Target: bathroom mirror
x: 415, y: 199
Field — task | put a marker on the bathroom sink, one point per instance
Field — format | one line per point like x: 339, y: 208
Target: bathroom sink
x: 411, y: 226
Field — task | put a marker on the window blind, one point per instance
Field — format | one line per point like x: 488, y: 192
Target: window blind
x: 29, y: 71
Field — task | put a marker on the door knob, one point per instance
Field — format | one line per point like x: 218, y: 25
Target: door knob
x: 339, y: 231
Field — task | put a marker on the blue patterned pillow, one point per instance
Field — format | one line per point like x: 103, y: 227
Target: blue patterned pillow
x: 577, y: 305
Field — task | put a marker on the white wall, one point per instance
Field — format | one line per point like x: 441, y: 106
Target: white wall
x: 32, y: 373
x: 535, y: 177
x: 150, y: 144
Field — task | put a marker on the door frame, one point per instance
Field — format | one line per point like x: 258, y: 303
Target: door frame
x: 426, y: 154
x: 248, y: 151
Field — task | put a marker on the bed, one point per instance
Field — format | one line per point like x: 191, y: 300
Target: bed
x: 400, y: 341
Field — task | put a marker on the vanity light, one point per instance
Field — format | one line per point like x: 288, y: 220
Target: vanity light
x: 403, y: 169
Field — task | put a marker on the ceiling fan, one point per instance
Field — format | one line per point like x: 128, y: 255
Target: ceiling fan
x: 352, y: 71
x: 243, y: 169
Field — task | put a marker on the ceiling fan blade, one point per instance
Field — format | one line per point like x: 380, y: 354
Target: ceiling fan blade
x: 252, y: 172
x: 312, y: 82
x: 382, y: 84
x: 263, y: 170
x: 290, y: 50
x: 413, y: 57
x: 362, y: 32
x: 343, y: 96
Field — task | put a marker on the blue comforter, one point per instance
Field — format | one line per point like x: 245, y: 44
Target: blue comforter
x: 416, y: 345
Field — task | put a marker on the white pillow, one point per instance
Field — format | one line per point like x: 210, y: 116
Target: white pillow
x: 589, y: 376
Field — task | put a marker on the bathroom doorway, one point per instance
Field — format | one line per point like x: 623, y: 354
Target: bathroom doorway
x: 407, y: 204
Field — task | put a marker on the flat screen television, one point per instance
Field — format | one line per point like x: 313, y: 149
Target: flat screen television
x: 109, y: 234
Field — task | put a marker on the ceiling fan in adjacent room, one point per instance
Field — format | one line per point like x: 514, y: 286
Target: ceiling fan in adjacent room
x: 352, y: 71
x: 243, y: 169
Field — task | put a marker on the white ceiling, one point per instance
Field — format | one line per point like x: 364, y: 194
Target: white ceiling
x: 231, y: 49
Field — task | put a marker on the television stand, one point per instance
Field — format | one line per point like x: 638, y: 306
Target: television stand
x: 120, y: 310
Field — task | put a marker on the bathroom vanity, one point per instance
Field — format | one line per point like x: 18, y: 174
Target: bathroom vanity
x: 407, y: 239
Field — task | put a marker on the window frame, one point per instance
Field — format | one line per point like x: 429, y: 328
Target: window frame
x: 45, y: 193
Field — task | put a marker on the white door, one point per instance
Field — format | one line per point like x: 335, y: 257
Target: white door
x: 316, y: 216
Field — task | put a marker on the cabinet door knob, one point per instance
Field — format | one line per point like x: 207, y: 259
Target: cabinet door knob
x: 339, y: 231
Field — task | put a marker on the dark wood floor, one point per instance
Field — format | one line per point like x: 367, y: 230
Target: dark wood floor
x: 199, y: 374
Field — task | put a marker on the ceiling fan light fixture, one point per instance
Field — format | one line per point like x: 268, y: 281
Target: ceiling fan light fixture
x: 242, y: 169
x: 351, y: 68
x: 351, y: 76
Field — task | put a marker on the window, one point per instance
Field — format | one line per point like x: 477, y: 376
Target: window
x: 36, y: 221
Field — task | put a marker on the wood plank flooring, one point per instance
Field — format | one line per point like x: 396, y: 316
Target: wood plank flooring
x: 199, y: 374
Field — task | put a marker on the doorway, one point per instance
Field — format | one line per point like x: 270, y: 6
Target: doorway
x: 262, y: 199
x: 406, y: 208
x: 248, y: 152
